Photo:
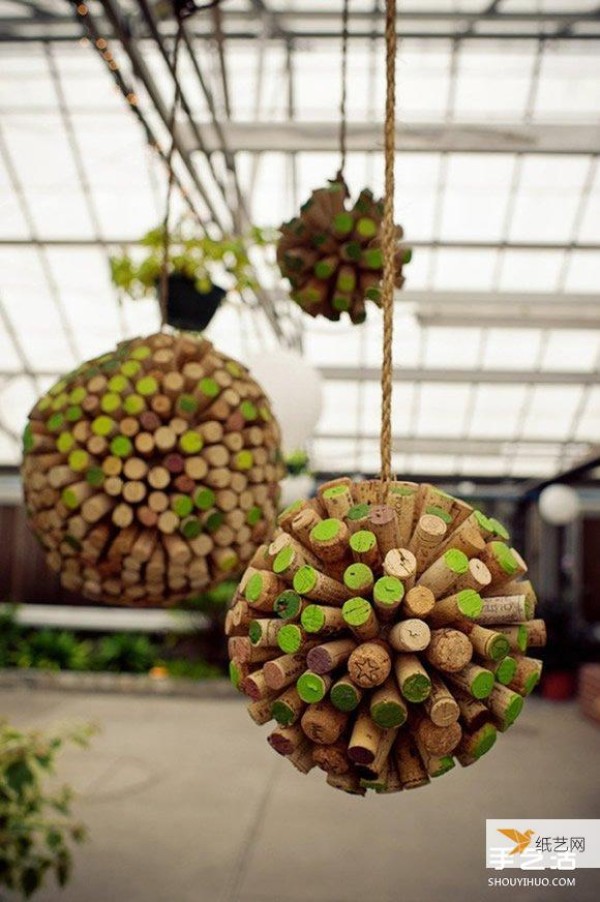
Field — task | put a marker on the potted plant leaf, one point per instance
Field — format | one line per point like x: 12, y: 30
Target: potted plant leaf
x: 201, y: 270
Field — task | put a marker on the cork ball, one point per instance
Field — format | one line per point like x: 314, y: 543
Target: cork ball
x: 331, y: 253
x: 388, y: 631
x: 151, y: 473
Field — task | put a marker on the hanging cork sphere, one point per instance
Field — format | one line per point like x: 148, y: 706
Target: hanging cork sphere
x: 151, y: 473
x: 385, y: 639
x: 331, y: 253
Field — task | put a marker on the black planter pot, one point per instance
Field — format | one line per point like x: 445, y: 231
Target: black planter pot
x: 188, y: 308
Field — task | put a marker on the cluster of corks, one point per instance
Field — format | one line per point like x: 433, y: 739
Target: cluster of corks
x: 386, y: 631
x: 151, y: 472
x: 332, y: 255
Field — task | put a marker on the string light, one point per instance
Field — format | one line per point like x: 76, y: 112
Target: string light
x: 101, y: 44
x: 82, y: 9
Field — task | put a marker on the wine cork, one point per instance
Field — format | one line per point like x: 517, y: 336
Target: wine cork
x: 536, y: 633
x: 505, y: 705
x: 410, y: 635
x: 313, y: 687
x: 322, y: 620
x: 264, y: 632
x: 444, y: 572
x: 431, y: 496
x: 323, y: 723
x: 262, y: 590
x: 332, y: 758
x: 473, y: 713
x: 287, y: 709
x: 241, y: 648
x: 357, y: 517
x: 435, y: 739
x: 345, y: 695
x: 516, y: 635
x: 254, y: 684
x: 526, y: 676
x: 285, y: 540
x: 376, y: 771
x: 337, y: 500
x: 473, y: 679
x: 287, y: 562
x: 441, y: 706
x: 411, y: 770
x: 502, y: 562
x: 365, y: 739
x: 260, y: 711
x: 387, y: 707
x: 363, y: 546
x: 359, y: 616
x: 368, y: 491
x: 467, y: 538
x: 402, y: 498
x: 303, y: 523
x: 349, y: 782
x: 475, y: 744
x: 419, y: 602
x: 517, y: 587
x: 426, y: 539
x: 435, y: 765
x: 449, y: 650
x: 358, y: 578
x: 388, y: 593
x: 291, y: 637
x: 283, y: 671
x: 309, y: 583
x: 326, y: 657
x: 466, y: 604
x: 287, y: 740
x: 504, y: 670
x: 329, y: 540
x: 288, y: 605
x: 383, y: 523
x: 369, y: 665
x: 412, y: 678
x: 486, y: 642
x: 477, y: 577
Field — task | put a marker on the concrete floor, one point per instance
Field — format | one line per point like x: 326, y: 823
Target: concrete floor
x: 186, y: 803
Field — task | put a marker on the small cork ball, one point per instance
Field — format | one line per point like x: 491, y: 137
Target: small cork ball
x: 331, y: 253
x: 151, y: 473
x: 387, y: 631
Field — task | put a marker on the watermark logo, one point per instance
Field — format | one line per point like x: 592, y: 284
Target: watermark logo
x: 538, y: 845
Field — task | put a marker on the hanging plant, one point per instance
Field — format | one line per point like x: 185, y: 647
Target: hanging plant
x: 332, y: 253
x: 196, y: 266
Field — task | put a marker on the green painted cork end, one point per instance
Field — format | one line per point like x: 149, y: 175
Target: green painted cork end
x: 311, y: 687
x: 505, y: 558
x: 506, y: 670
x: 358, y: 512
x: 305, y: 579
x: 482, y: 684
x: 531, y: 682
x: 486, y: 740
x: 444, y: 764
x: 522, y: 638
x: 388, y: 714
x: 282, y: 713
x: 326, y: 530
x: 514, y: 708
x: 456, y: 561
x: 499, y: 647
x: 287, y: 604
x: 254, y: 588
x: 345, y: 697
x: 356, y: 576
x: 313, y: 618
x: 417, y: 688
x: 362, y: 541
x: 356, y: 611
x: 469, y: 603
x: 283, y: 560
x: 289, y: 638
x: 388, y: 590
x: 335, y: 491
x: 254, y: 631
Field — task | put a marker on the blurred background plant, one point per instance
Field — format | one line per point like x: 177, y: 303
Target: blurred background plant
x: 37, y: 829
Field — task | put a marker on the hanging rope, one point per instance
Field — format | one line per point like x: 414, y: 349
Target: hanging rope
x: 388, y: 245
x: 164, y: 273
x: 344, y: 96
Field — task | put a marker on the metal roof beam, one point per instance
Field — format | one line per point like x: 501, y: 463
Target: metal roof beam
x: 457, y: 376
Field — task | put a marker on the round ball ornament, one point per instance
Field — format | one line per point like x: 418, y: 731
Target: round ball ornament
x: 388, y: 631
x: 559, y: 504
x: 332, y: 256
x: 151, y: 472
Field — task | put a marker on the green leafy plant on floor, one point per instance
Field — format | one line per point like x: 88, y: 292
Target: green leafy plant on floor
x: 125, y: 653
x: 37, y: 829
x: 201, y: 258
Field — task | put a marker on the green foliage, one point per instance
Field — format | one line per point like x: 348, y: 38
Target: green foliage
x: 214, y: 602
x: 198, y: 257
x: 125, y: 653
x: 297, y: 463
x: 181, y: 668
x: 37, y: 830
x: 48, y: 649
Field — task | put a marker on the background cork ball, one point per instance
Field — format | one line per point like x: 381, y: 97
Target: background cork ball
x: 331, y: 253
x: 151, y: 473
x: 386, y: 631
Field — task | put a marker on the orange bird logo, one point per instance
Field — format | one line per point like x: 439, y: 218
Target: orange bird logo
x: 521, y: 840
